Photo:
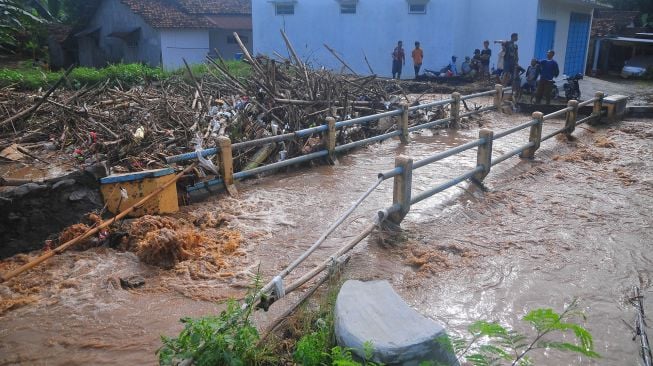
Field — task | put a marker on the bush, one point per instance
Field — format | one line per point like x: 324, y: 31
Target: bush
x: 30, y: 78
x: 227, y: 339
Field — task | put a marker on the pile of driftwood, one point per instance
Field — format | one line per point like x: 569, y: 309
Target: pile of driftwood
x: 132, y: 128
x: 135, y: 128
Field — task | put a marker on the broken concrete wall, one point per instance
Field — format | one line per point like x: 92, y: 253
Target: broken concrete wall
x: 34, y: 212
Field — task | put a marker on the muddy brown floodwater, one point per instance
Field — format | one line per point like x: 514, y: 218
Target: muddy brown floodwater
x: 573, y: 223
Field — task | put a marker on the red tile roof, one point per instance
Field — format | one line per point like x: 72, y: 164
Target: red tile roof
x: 217, y: 7
x: 186, y: 13
x: 613, y: 22
x: 231, y: 22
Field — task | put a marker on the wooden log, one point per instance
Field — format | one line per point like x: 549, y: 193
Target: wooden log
x: 260, y: 156
x: 16, y: 181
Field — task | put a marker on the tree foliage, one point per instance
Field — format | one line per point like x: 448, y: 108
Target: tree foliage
x: 493, y: 344
x: 16, y: 16
x: 644, y: 6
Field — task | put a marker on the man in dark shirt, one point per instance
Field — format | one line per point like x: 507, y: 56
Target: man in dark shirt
x: 510, y: 59
x: 486, y: 54
x: 548, y: 71
x: 398, y: 60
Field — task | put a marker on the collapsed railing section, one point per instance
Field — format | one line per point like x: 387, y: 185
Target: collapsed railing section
x: 225, y: 148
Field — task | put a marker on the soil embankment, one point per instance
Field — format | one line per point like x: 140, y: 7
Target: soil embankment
x: 35, y: 212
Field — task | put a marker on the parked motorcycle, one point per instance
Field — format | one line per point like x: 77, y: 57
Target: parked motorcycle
x: 571, y: 87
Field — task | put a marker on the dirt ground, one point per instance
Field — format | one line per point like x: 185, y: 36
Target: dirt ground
x: 639, y: 92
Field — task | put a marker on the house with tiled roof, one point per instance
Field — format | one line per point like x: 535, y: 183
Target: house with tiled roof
x: 617, y: 37
x: 164, y: 32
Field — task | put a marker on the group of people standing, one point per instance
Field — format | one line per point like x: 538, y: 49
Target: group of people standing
x: 399, y: 59
x: 539, y: 76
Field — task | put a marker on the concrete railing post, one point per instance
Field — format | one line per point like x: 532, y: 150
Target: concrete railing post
x: 402, y: 187
x: 404, y: 124
x: 598, y: 105
x: 615, y: 106
x: 572, y: 116
x: 330, y: 139
x: 484, y: 154
x: 498, y: 96
x: 455, y: 107
x: 227, y: 164
x: 535, y: 136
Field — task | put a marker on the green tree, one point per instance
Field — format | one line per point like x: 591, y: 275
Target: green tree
x: 644, y: 6
x: 16, y: 17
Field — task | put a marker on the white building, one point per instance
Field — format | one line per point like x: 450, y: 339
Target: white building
x: 162, y: 32
x: 371, y: 28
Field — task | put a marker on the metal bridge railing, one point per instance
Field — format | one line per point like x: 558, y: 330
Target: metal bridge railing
x: 328, y: 132
x: 402, y: 188
x: 404, y: 166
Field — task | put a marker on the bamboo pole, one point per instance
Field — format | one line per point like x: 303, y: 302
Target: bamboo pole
x: 70, y: 243
x: 248, y: 56
x: 333, y: 52
x: 301, y: 65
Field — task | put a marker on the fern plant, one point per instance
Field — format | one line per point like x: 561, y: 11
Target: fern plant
x: 492, y: 344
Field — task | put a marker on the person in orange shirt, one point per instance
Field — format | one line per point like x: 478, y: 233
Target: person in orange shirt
x: 418, y: 57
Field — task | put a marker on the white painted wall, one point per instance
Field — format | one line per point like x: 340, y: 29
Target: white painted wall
x: 190, y: 44
x: 560, y: 12
x: 448, y: 28
x: 496, y: 20
x: 218, y: 40
x: 374, y: 31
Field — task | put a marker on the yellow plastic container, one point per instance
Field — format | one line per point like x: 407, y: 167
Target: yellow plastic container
x: 138, y: 185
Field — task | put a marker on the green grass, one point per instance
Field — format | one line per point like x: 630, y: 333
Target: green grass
x: 27, y: 77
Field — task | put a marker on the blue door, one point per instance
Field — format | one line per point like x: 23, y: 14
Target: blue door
x: 579, y: 28
x: 544, y: 39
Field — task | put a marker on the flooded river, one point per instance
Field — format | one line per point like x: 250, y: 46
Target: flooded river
x: 573, y: 223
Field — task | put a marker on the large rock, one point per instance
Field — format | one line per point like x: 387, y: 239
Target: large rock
x: 373, y: 312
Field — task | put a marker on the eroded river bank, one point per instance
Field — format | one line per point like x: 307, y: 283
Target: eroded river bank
x: 574, y: 222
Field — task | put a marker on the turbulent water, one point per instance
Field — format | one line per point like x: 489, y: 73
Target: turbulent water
x: 573, y: 223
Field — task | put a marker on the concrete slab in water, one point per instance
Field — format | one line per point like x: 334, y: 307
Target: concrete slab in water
x: 374, y: 312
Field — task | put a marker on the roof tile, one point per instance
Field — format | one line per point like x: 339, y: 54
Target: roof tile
x: 186, y: 13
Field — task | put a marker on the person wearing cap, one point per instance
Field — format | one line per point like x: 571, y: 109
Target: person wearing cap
x: 466, y: 67
x: 549, y: 70
x: 418, y: 57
